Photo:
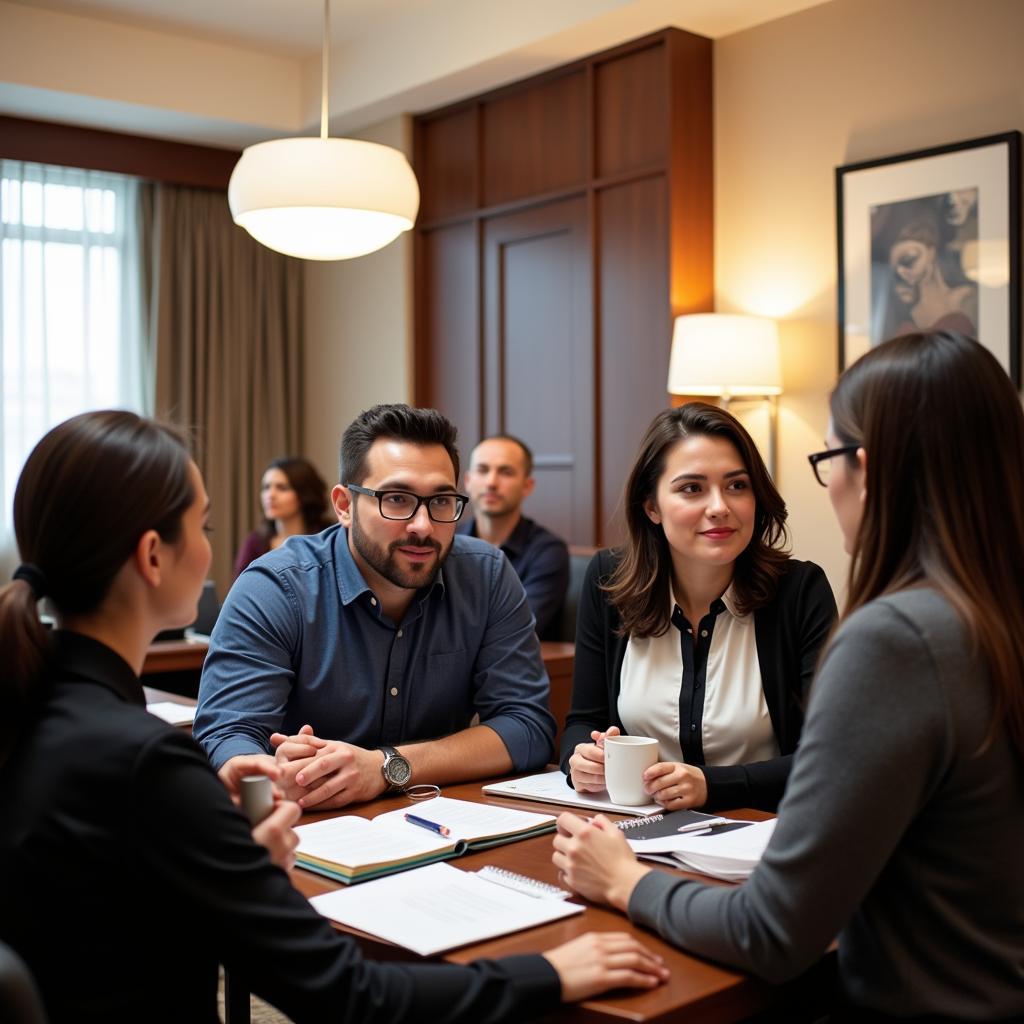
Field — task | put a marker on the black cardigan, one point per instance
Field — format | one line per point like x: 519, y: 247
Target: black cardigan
x: 789, y: 633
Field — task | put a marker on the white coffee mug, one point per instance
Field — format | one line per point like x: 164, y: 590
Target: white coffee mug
x: 626, y: 758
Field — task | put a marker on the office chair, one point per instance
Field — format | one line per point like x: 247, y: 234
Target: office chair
x: 19, y: 998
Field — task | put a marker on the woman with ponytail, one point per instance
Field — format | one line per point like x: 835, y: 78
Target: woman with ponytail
x: 902, y: 829
x: 122, y: 857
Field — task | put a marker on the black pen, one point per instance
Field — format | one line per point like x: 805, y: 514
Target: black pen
x: 441, y: 830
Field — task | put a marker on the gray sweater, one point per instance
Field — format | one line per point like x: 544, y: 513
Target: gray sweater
x: 894, y: 834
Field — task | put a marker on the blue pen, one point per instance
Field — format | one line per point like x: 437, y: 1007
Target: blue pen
x: 441, y: 830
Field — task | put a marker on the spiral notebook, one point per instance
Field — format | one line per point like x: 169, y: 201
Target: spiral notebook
x: 438, y: 907
x: 656, y: 826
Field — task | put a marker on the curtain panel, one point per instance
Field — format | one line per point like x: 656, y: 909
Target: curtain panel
x: 225, y: 318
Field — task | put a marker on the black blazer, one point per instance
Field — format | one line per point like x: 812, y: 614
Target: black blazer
x: 789, y: 634
x: 127, y: 875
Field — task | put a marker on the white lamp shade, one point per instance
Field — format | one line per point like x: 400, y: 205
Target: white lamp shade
x: 723, y: 354
x: 323, y: 199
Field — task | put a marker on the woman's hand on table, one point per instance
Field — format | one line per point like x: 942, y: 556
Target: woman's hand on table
x: 676, y: 786
x: 586, y: 766
x: 599, y: 961
x: 594, y: 859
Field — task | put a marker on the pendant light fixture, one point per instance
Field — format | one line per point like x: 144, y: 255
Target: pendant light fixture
x: 323, y: 198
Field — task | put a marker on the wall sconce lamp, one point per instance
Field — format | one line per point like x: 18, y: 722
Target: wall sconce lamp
x: 729, y: 357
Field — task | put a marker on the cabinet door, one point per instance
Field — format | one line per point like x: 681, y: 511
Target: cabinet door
x: 539, y: 355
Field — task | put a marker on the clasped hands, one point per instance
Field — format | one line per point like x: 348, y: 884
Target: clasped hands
x: 323, y: 774
x: 669, y: 783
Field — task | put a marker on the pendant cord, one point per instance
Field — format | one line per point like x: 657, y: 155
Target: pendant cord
x: 324, y: 65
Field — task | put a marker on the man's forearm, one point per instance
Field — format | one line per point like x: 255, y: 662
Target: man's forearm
x: 474, y: 753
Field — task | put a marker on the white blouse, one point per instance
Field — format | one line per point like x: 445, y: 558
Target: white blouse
x: 735, y: 727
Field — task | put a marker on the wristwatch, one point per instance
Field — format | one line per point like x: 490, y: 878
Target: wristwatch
x: 396, y: 769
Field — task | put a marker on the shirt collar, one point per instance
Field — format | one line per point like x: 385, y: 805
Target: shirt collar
x: 726, y: 602
x: 516, y: 540
x: 83, y: 657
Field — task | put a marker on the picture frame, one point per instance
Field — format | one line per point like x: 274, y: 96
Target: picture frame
x: 931, y: 239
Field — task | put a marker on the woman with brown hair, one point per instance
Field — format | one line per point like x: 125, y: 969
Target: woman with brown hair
x: 701, y: 632
x: 293, y: 496
x: 902, y: 829
x: 121, y: 856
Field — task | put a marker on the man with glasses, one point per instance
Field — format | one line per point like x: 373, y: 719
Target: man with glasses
x: 361, y: 655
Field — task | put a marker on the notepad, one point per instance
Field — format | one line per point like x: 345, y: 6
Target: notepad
x: 438, y: 907
x: 729, y: 854
x: 351, y: 848
x: 552, y: 788
x: 672, y: 823
x: 172, y: 713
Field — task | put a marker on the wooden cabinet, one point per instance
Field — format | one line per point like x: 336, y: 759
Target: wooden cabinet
x: 565, y: 221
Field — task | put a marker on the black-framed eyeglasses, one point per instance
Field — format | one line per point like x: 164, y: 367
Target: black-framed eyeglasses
x: 401, y: 505
x: 821, y: 461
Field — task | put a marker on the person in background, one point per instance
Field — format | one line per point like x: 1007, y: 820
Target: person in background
x: 121, y: 852
x: 701, y: 631
x: 498, y: 481
x: 385, y: 651
x: 293, y: 496
x: 902, y: 829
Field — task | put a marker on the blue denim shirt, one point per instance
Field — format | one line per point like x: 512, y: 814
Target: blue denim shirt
x: 301, y: 638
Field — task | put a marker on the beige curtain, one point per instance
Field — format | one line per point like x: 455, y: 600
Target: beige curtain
x: 225, y: 315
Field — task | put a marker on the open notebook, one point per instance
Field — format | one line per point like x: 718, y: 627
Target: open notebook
x: 352, y: 849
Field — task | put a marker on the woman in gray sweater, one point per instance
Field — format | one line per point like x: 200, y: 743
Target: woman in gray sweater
x: 902, y: 827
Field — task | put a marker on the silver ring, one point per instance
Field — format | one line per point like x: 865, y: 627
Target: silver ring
x: 423, y: 791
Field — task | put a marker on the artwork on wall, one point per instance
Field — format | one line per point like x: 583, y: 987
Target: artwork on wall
x: 931, y: 239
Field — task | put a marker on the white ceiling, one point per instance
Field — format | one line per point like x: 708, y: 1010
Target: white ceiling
x: 234, y: 72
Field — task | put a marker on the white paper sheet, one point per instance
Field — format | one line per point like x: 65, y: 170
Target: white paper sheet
x: 356, y: 842
x: 175, y: 714
x: 438, y: 907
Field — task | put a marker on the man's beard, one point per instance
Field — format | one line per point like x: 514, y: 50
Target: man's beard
x: 384, y: 561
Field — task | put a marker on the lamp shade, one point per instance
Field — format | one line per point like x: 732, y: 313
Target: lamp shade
x: 724, y: 354
x: 323, y: 198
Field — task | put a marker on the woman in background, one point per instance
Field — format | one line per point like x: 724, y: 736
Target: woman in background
x: 121, y: 856
x: 902, y: 829
x: 293, y: 496
x: 701, y: 631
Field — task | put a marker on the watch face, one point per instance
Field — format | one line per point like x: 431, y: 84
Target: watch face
x: 398, y: 771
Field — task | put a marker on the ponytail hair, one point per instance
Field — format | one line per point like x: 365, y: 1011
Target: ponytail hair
x: 89, y: 490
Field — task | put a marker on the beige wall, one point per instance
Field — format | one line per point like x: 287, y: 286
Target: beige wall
x: 848, y: 81
x: 358, y: 330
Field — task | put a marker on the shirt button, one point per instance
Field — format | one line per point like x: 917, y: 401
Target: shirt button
x: 373, y: 601
x: 399, y: 634
x: 703, y: 632
x: 693, y: 727
x: 394, y: 691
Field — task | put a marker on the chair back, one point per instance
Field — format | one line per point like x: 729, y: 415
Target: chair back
x: 20, y: 1002
x: 564, y: 627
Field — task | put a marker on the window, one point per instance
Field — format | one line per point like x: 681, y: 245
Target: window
x: 70, y: 301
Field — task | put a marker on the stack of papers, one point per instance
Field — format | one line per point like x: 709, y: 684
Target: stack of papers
x: 438, y: 907
x: 552, y: 788
x: 729, y: 852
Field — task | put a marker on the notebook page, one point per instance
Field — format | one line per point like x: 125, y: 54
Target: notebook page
x: 466, y: 820
x: 355, y: 842
x: 438, y: 907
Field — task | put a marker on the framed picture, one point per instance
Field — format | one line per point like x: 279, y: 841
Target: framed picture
x: 931, y: 239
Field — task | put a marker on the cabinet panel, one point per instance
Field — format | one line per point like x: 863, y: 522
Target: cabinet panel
x: 538, y: 366
x: 446, y: 164
x: 631, y: 111
x: 534, y: 140
x: 449, y: 328
x: 635, y: 330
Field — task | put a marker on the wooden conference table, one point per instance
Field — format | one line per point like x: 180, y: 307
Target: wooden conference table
x: 698, y: 991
